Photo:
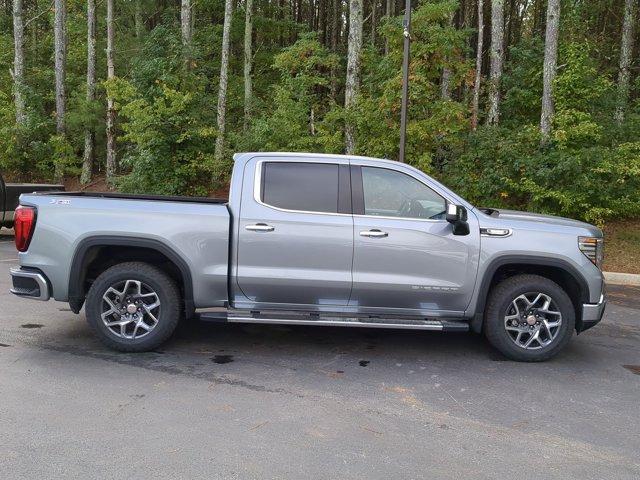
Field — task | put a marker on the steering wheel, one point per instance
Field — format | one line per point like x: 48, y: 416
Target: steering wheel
x: 417, y: 210
x: 412, y: 208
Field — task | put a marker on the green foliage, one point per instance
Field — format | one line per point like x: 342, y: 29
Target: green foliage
x: 590, y: 171
x: 579, y: 85
x: 502, y: 168
x: 170, y: 150
x: 300, y: 101
x: 434, y: 123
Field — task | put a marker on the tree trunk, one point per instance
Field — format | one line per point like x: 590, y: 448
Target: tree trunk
x: 476, y: 86
x: 89, y: 134
x: 389, y: 13
x: 467, y: 16
x: 248, y: 60
x: 626, y: 50
x: 445, y: 80
x: 336, y: 25
x: 496, y: 55
x: 352, y: 83
x: 138, y: 19
x: 549, y: 68
x: 18, y: 62
x: 374, y: 24
x: 222, y: 91
x: 60, y: 63
x: 112, y: 162
x: 185, y: 28
x: 322, y: 7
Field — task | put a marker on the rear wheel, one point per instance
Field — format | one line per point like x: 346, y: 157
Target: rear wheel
x: 133, y: 307
x: 529, y: 318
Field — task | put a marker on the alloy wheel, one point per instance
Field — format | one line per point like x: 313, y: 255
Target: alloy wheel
x: 533, y: 320
x: 130, y: 309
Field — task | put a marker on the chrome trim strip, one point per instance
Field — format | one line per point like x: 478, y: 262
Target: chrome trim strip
x: 344, y: 322
x: 38, y: 277
x: 592, y: 312
x: 260, y: 228
x: 496, y: 232
x: 428, y: 220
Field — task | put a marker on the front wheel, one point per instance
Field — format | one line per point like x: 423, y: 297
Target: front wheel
x: 133, y: 307
x: 529, y: 318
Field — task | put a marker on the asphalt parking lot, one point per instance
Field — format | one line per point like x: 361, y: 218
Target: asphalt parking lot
x: 231, y: 401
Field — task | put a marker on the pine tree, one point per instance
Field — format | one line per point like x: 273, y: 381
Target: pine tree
x: 89, y: 134
x: 224, y: 78
x: 496, y: 55
x: 112, y: 162
x: 185, y: 28
x: 248, y: 61
x: 60, y: 47
x: 626, y: 51
x: 352, y: 83
x: 18, y: 62
x: 549, y: 68
x: 475, y: 107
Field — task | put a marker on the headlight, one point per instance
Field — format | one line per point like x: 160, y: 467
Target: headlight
x: 593, y: 248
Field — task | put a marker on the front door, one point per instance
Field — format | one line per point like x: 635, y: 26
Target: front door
x: 295, y: 238
x: 406, y: 257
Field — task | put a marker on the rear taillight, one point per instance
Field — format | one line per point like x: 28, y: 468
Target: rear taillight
x: 24, y: 222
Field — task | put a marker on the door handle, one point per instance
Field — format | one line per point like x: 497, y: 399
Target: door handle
x: 260, y: 227
x: 375, y: 233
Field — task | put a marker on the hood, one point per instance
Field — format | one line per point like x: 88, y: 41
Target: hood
x: 514, y: 215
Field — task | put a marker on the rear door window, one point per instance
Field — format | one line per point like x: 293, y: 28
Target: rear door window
x: 302, y: 186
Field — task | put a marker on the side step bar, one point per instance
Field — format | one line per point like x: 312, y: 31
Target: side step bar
x: 335, y: 321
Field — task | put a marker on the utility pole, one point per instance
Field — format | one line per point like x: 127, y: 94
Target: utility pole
x: 406, y: 23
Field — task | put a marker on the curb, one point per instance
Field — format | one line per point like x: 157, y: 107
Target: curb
x: 616, y: 278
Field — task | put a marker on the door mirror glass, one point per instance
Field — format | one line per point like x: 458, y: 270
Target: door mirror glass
x: 456, y: 213
x: 457, y: 216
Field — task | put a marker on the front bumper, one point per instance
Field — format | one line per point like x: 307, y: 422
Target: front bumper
x: 29, y: 284
x: 592, y: 313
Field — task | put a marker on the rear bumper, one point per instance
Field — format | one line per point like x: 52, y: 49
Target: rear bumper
x: 29, y: 284
x: 592, y: 313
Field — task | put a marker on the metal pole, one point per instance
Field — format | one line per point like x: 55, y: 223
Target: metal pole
x: 405, y: 78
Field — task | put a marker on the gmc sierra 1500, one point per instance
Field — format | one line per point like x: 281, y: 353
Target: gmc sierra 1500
x: 314, y: 240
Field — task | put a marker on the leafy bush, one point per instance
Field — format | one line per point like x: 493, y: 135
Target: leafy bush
x: 170, y: 150
x: 501, y: 168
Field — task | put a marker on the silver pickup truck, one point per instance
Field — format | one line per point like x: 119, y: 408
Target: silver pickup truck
x: 311, y: 239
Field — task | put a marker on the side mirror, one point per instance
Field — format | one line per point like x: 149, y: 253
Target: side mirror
x: 457, y: 216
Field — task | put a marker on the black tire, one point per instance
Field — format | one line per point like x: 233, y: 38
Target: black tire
x: 159, y: 282
x: 499, y: 304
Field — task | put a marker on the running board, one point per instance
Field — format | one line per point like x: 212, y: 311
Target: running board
x: 334, y: 321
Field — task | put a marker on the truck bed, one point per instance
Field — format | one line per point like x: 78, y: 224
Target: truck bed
x: 194, y: 230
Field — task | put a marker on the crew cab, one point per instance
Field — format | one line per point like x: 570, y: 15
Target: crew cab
x: 10, y: 193
x: 312, y: 239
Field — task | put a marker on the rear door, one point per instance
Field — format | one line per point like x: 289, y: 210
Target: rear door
x: 295, y: 237
x: 406, y: 257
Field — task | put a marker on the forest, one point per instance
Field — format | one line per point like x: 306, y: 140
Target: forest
x: 529, y: 104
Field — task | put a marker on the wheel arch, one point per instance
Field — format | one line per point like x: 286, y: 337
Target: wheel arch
x: 96, y: 252
x: 558, y: 270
